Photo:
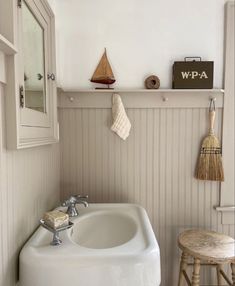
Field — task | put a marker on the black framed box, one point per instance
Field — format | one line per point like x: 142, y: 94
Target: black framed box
x: 195, y: 74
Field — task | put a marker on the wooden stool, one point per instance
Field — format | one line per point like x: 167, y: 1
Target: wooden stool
x: 210, y: 247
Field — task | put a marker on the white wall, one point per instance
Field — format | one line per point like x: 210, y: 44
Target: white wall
x: 29, y: 186
x: 142, y: 37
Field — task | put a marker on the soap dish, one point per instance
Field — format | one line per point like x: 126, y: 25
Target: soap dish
x: 56, y: 239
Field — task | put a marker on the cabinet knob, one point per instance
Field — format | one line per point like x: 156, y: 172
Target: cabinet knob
x: 39, y: 76
x: 51, y: 76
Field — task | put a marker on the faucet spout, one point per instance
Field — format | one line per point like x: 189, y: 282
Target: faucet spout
x: 84, y: 203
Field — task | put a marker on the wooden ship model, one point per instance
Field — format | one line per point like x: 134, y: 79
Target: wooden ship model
x: 103, y: 73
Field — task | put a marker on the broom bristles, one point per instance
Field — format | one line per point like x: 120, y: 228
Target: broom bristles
x: 210, y: 165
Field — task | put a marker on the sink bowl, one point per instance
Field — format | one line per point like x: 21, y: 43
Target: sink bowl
x: 104, y: 230
x: 109, y: 245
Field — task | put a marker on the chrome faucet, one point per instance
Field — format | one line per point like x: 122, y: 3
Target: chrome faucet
x: 71, y: 204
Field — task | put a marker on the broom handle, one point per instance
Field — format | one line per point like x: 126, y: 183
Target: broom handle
x: 211, y: 121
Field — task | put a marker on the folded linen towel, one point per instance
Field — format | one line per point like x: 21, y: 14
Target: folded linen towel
x: 121, y: 123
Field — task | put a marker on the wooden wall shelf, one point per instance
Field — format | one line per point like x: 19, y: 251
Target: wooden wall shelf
x: 6, y: 46
x: 142, y: 90
x: 141, y: 98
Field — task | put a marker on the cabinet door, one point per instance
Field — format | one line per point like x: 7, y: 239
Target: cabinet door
x: 32, y: 102
x: 34, y: 40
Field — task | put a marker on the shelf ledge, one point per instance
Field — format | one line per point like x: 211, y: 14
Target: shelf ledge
x: 141, y: 98
x: 6, y: 46
x: 225, y: 209
x: 215, y: 90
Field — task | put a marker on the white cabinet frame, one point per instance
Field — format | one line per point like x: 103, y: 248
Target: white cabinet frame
x: 227, y: 195
x: 28, y: 116
x: 19, y: 134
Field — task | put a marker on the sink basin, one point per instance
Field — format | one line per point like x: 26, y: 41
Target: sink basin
x: 104, y: 230
x: 109, y: 245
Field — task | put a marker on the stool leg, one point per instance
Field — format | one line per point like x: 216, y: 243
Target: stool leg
x: 219, y: 276
x: 183, y: 267
x: 233, y: 273
x: 196, y: 272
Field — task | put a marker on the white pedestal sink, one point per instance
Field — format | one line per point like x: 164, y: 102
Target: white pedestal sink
x: 109, y: 245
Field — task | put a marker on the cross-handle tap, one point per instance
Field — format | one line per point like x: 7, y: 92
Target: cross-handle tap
x: 71, y: 204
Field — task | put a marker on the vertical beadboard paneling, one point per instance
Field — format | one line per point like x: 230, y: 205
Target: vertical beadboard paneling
x: 154, y: 167
x: 29, y: 186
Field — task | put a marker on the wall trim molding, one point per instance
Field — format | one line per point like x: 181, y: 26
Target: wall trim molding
x: 3, y: 79
x: 162, y: 98
x: 225, y: 209
x: 227, y: 195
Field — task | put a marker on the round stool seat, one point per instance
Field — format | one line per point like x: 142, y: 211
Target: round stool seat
x: 208, y: 245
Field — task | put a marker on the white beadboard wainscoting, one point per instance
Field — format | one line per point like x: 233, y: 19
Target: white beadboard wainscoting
x: 154, y: 167
x: 29, y: 186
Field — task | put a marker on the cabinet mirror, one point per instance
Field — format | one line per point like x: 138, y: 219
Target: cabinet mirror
x: 34, y: 65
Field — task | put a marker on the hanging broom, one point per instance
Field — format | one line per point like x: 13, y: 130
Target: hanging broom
x: 210, y: 165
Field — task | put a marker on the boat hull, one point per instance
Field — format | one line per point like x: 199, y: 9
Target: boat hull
x: 104, y: 80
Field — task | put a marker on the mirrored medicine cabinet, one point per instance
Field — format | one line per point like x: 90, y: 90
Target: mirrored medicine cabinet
x: 34, y: 61
x: 31, y: 90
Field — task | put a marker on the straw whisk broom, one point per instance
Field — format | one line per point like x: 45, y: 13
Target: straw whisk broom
x: 209, y: 166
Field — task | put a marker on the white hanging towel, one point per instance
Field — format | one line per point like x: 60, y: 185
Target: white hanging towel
x: 121, y: 123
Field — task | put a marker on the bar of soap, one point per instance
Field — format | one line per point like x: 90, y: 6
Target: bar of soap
x: 56, y: 219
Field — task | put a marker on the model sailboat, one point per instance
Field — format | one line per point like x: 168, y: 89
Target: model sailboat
x: 103, y: 73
